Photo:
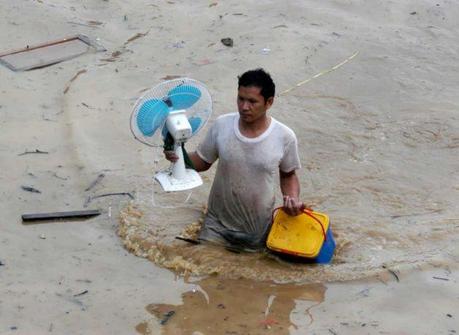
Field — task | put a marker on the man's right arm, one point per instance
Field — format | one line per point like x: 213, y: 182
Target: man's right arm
x: 199, y: 163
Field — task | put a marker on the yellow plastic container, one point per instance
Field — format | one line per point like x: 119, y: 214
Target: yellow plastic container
x: 300, y: 235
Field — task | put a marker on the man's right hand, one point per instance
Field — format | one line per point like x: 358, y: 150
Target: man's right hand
x: 170, y: 155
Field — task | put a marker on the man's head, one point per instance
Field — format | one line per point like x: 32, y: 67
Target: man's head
x: 258, y: 78
x: 255, y: 95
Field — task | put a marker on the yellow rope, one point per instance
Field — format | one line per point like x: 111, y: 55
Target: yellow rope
x: 320, y: 74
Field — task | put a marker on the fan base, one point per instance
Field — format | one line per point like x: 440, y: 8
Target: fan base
x: 169, y: 183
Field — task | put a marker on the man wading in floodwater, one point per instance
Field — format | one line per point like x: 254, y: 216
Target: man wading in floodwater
x: 253, y: 149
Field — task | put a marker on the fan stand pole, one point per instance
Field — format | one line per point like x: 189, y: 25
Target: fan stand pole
x: 178, y: 168
x: 177, y: 177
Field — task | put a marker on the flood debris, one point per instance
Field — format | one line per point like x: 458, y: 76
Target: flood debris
x: 90, y: 23
x: 31, y: 218
x: 108, y: 195
x: 189, y: 240
x: 440, y: 278
x: 166, y: 317
x: 59, y: 177
x: 81, y: 293
x: 48, y: 53
x: 171, y: 76
x: 36, y: 151
x: 73, y: 79
x: 136, y: 36
x: 30, y: 189
x: 95, y: 182
x: 227, y: 41
x: 392, y: 272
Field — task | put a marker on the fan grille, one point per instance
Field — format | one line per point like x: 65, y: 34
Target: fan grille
x: 150, y: 111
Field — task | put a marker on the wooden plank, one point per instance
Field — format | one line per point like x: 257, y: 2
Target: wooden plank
x: 27, y: 218
x: 49, y: 53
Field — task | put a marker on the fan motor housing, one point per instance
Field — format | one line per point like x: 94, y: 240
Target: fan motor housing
x: 178, y: 126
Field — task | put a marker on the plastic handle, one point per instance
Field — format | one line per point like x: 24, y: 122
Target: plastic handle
x: 307, y: 211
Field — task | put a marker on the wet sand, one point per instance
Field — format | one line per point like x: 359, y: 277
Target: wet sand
x: 379, y: 144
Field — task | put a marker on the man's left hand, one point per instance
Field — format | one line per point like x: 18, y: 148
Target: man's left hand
x: 292, y: 206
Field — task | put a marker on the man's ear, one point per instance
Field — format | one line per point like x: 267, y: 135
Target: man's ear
x: 269, y: 102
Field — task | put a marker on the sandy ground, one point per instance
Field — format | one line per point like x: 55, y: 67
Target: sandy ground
x: 76, y: 277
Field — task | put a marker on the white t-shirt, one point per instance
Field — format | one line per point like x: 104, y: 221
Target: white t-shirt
x: 242, y: 197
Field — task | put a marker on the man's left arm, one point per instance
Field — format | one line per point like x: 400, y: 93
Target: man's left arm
x: 290, y: 187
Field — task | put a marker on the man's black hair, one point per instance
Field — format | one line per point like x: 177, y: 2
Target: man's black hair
x: 258, y: 78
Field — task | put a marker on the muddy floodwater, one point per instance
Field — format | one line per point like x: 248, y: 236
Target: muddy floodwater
x: 372, y: 95
x: 235, y: 307
x: 388, y: 183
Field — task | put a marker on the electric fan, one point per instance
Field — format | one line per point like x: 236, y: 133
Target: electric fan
x: 176, y: 108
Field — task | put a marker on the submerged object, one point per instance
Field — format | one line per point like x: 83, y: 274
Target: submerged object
x: 307, y: 235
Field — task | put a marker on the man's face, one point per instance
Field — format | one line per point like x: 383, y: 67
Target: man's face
x: 251, y: 104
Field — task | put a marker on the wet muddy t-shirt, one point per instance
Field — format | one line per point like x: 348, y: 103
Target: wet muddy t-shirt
x: 243, y: 192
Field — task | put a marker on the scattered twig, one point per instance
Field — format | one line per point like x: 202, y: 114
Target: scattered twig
x: 173, y: 76
x: 59, y: 177
x: 36, y: 151
x: 95, y: 182
x: 111, y: 194
x: 440, y: 278
x: 73, y: 79
x: 92, y: 24
x: 392, y: 272
x: 189, y: 240
x: 136, y: 36
x: 416, y: 214
x: 166, y: 318
x: 320, y: 74
x: 89, y: 199
x: 30, y: 189
x: 81, y: 293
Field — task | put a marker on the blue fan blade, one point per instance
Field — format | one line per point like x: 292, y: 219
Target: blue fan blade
x: 184, y: 96
x: 195, y: 122
x: 151, y: 116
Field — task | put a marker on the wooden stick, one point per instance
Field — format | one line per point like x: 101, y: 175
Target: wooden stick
x: 60, y: 215
x: 189, y: 240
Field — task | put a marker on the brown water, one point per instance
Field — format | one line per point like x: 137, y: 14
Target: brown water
x: 387, y: 180
x: 374, y: 251
x: 218, y: 306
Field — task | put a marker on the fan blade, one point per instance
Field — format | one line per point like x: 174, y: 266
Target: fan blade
x: 184, y: 96
x: 151, y: 116
x: 195, y: 122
